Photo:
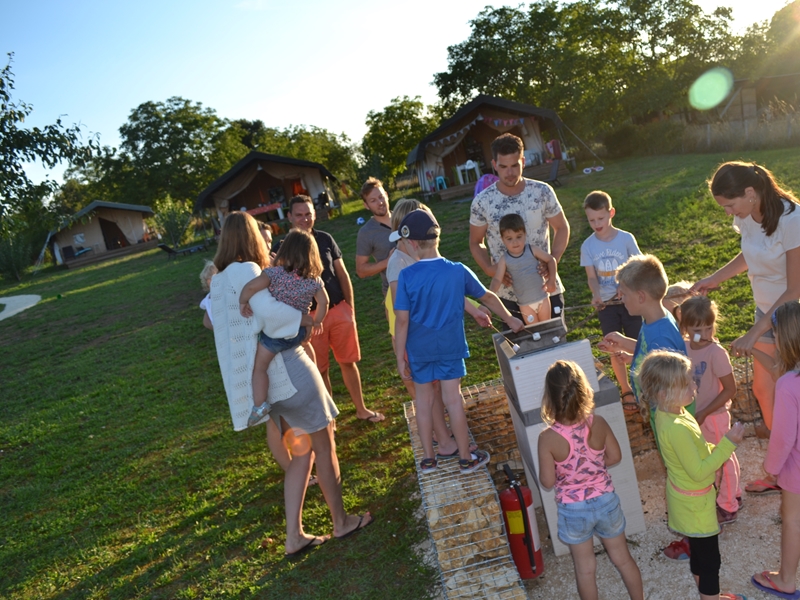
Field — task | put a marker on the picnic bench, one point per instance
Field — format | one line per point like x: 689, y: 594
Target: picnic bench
x: 173, y: 253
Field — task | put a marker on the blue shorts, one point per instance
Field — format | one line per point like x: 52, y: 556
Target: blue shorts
x: 426, y: 372
x: 280, y: 344
x: 601, y: 516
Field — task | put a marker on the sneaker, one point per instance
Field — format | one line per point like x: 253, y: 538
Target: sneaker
x: 427, y: 465
x: 678, y: 550
x: 258, y: 415
x: 479, y: 458
x: 724, y: 517
x: 739, y: 503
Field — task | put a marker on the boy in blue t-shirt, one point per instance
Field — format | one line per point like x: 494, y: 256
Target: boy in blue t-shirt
x: 603, y: 253
x: 642, y: 286
x: 429, y: 328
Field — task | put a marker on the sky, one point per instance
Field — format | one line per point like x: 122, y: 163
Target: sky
x: 308, y: 62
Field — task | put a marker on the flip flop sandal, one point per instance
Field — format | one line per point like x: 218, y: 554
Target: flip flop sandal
x: 358, y: 528
x: 767, y: 488
x: 772, y: 589
x: 309, y: 545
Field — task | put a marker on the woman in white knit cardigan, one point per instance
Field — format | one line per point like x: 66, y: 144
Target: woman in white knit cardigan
x: 300, y: 402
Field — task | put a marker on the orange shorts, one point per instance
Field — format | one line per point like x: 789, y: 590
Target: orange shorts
x: 339, y: 333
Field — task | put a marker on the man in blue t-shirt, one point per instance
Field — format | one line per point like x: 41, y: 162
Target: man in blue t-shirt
x: 429, y: 333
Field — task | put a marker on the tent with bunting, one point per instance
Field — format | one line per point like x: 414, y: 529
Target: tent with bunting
x: 262, y: 184
x: 459, y: 150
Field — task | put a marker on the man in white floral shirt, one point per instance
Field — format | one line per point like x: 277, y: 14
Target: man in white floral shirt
x: 534, y: 201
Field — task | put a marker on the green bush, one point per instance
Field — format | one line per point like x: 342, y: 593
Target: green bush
x: 15, y: 255
x: 172, y: 219
x: 651, y: 139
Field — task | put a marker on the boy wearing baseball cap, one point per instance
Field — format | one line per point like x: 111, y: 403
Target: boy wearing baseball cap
x: 429, y: 327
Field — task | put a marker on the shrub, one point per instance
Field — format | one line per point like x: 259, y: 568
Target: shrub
x: 15, y: 255
x: 172, y: 219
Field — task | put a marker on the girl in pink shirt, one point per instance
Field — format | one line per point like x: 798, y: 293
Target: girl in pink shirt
x: 574, y: 455
x: 783, y: 455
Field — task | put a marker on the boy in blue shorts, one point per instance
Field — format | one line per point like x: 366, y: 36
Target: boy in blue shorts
x: 429, y: 328
x: 603, y: 253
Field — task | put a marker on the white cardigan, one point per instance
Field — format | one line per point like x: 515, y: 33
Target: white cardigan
x: 236, y: 339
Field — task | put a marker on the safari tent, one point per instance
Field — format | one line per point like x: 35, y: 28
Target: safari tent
x: 459, y: 151
x: 264, y: 183
x: 101, y: 228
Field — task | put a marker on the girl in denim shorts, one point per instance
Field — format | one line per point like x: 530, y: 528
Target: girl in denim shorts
x: 574, y: 455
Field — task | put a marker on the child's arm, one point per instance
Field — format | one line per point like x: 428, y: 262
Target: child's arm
x: 727, y: 392
x: 322, y: 309
x: 400, y: 337
x: 552, y: 268
x: 594, y: 285
x: 251, y: 287
x: 783, y: 438
x: 471, y: 308
x: 499, y: 274
x: 613, y: 454
x: 616, y: 342
x: 699, y: 467
x: 492, y: 302
x: 768, y: 362
x: 547, y: 464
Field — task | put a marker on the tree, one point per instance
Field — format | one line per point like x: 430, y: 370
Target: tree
x: 394, y: 132
x: 49, y: 145
x: 596, y: 63
x: 172, y: 219
x: 166, y: 149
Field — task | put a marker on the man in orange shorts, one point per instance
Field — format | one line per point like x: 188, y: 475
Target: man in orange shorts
x: 340, y: 333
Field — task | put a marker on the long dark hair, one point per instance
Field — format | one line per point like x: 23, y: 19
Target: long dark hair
x: 733, y: 178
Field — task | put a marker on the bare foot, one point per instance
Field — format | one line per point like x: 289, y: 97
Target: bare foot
x: 355, y: 523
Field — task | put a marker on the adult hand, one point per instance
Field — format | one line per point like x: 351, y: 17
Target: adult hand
x: 703, y: 286
x: 598, y: 303
x: 508, y: 281
x: 743, y: 346
x: 543, y: 270
x: 736, y: 433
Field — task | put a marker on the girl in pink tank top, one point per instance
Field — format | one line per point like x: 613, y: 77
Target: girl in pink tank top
x: 575, y: 452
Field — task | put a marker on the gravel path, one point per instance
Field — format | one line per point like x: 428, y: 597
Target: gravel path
x: 751, y: 544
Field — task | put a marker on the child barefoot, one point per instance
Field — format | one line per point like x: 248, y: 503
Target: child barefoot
x: 294, y: 280
x: 521, y: 262
x: 574, y: 456
x: 783, y: 455
x: 716, y: 387
x: 692, y: 463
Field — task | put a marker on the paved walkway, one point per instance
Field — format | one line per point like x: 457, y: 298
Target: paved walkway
x: 16, y: 304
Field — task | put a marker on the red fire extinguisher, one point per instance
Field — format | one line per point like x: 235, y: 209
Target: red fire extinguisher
x: 523, y: 534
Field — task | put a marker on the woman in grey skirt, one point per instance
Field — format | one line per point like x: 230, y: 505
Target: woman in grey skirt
x: 308, y: 414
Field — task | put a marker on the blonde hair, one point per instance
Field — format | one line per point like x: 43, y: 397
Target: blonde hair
x: 644, y: 272
x: 241, y: 241
x: 664, y: 377
x: 209, y: 270
x: 698, y: 311
x: 568, y: 397
x: 787, y: 335
x: 299, y: 253
x: 402, y: 208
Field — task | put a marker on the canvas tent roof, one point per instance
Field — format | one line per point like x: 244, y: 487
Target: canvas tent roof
x: 145, y: 210
x: 418, y: 153
x: 206, y: 200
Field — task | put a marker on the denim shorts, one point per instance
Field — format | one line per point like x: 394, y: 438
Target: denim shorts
x: 276, y: 345
x: 601, y: 516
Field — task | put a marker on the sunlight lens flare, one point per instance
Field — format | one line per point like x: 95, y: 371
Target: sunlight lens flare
x: 711, y: 88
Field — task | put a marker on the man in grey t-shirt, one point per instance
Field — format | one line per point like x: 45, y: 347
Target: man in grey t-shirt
x: 373, y: 238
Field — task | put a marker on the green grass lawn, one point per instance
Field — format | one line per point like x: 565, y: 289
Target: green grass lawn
x: 121, y: 477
